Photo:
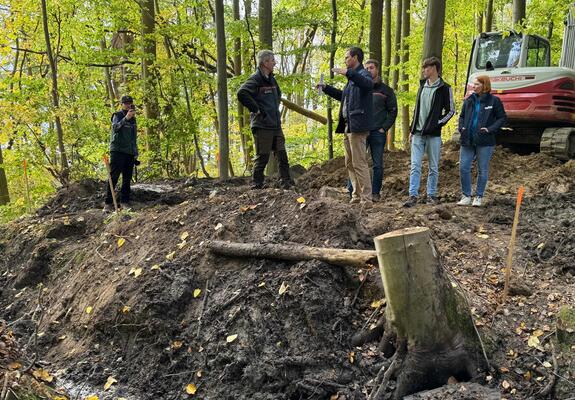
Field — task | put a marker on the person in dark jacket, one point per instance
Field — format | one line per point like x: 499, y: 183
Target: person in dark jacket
x: 434, y: 107
x: 355, y: 121
x: 261, y: 95
x: 481, y: 118
x: 123, y: 150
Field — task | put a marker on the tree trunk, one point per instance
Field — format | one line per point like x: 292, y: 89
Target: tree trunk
x: 518, y: 12
x: 64, y: 170
x: 397, y: 65
x: 245, y: 139
x: 4, y: 194
x: 265, y: 24
x: 331, y: 66
x: 151, y: 109
x: 108, y: 78
x: 434, y: 26
x: 375, y: 28
x: 405, y: 31
x: 223, y: 161
x: 430, y: 317
x: 295, y: 252
x: 387, y: 55
x: 480, y: 22
x: 489, y: 16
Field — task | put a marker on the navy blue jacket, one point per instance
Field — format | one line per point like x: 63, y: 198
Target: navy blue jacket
x: 358, y: 95
x: 491, y: 116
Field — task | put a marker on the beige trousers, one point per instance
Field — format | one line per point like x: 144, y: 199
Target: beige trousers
x: 356, y: 165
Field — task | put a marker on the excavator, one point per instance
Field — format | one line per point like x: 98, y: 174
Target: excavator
x: 539, y: 99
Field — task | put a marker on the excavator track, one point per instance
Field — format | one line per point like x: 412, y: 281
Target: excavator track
x: 559, y: 143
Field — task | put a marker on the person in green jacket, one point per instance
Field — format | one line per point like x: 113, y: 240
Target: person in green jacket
x: 123, y: 151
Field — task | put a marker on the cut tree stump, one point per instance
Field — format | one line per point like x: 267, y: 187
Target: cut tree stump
x: 436, y: 335
x: 295, y: 252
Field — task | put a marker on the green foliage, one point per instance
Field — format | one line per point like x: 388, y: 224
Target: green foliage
x: 96, y: 38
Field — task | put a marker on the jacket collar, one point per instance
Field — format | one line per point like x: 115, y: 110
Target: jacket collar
x: 441, y: 82
x: 263, y: 76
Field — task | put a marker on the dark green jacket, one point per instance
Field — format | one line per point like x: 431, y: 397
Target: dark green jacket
x: 124, y: 134
x: 384, y: 106
x: 262, y: 96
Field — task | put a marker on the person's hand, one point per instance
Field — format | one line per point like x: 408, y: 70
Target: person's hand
x: 131, y: 113
x: 410, y: 137
x: 485, y: 130
x: 320, y: 86
x: 341, y: 71
x: 381, y: 130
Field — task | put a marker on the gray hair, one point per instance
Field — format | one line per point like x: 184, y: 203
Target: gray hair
x: 264, y: 55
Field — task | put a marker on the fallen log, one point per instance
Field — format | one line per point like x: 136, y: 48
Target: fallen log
x: 295, y: 252
x: 436, y: 336
x: 304, y: 111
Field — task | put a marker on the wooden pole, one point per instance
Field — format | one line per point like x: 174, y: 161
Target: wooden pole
x: 295, y: 252
x: 305, y: 112
x: 107, y: 163
x: 512, y: 243
x: 27, y: 186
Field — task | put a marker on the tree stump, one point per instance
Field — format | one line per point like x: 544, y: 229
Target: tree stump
x: 435, y: 332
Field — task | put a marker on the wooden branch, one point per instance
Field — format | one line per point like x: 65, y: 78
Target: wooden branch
x: 295, y: 252
x: 69, y: 59
x: 306, y: 113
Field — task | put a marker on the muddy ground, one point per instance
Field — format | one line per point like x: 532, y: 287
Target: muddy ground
x: 138, y: 302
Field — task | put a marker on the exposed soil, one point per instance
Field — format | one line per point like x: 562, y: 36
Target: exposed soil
x: 138, y: 297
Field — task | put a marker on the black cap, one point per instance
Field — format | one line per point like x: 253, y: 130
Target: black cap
x: 127, y: 99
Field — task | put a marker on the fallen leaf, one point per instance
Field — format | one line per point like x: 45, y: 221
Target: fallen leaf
x: 109, y: 382
x: 283, y: 288
x: 125, y: 309
x: 121, y: 242
x: 136, y: 271
x: 170, y: 256
x: 533, y: 341
x: 43, y: 375
x: 301, y: 200
x: 155, y: 266
x: 184, y: 235
x: 14, y: 365
x: 505, y: 384
x: 504, y: 370
x: 377, y: 303
x: 218, y: 226
x: 176, y: 344
x: 182, y: 244
x: 351, y: 357
x: 197, y: 292
x: 482, y: 235
x: 92, y: 397
x: 62, y: 337
x: 191, y: 388
x: 199, y: 373
x: 538, y: 332
x: 262, y: 284
x: 547, y: 364
x: 231, y: 338
x: 89, y: 309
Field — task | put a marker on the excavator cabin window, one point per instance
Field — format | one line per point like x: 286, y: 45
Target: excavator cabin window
x: 537, y: 53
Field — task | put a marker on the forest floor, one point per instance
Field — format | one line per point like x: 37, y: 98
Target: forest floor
x: 134, y: 306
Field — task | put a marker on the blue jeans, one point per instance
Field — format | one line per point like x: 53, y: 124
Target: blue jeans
x: 466, y: 156
x: 376, y: 144
x: 420, y: 145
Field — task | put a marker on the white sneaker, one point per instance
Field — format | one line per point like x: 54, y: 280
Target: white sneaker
x: 465, y: 201
x: 477, y: 202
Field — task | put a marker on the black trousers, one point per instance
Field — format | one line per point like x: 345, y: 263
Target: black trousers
x: 266, y: 141
x: 120, y: 164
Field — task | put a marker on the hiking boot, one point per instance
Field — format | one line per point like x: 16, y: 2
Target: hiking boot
x: 465, y: 201
x: 477, y: 201
x: 376, y: 197
x: 355, y: 200
x: 108, y: 208
x: 431, y: 200
x: 412, y: 201
x: 287, y: 185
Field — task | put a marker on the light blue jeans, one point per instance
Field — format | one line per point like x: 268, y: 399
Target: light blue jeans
x: 466, y: 156
x: 420, y: 145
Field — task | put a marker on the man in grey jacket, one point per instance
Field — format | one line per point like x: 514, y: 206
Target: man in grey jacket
x: 261, y: 95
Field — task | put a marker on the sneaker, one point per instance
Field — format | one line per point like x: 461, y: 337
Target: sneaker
x: 477, y: 201
x: 465, y: 201
x: 376, y: 197
x: 412, y: 201
x: 431, y: 200
x: 355, y: 200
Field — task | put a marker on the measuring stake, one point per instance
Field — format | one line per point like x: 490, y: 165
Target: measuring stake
x: 107, y: 163
x: 512, y: 243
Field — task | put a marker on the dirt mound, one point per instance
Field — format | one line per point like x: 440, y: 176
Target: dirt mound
x: 138, y: 297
